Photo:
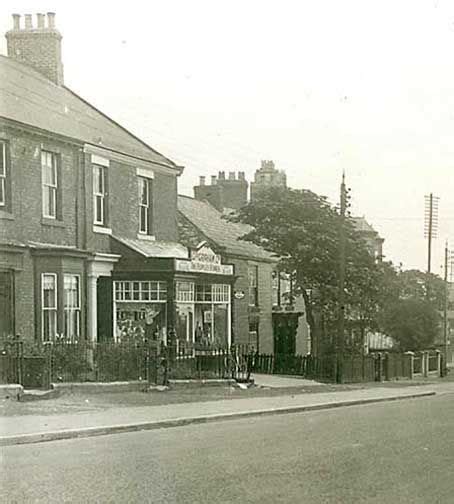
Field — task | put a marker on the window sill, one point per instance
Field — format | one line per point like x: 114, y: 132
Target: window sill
x: 143, y: 236
x: 4, y: 214
x: 102, y: 230
x: 52, y: 222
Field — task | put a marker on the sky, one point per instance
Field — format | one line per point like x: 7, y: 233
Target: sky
x: 318, y: 86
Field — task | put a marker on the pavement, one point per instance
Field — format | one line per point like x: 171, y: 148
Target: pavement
x: 27, y: 429
x: 388, y: 452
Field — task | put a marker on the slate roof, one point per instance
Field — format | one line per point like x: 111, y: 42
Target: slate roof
x: 223, y: 233
x: 29, y: 98
x: 152, y: 248
x: 363, y: 226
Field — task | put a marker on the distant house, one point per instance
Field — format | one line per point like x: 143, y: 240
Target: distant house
x: 371, y: 237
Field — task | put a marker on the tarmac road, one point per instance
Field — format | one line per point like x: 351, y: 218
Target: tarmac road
x: 384, y: 453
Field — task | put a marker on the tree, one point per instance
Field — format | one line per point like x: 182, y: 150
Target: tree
x: 415, y: 284
x: 412, y: 322
x: 302, y: 229
x: 411, y: 313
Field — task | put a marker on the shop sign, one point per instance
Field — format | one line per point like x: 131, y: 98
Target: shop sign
x: 204, y: 260
x: 239, y: 294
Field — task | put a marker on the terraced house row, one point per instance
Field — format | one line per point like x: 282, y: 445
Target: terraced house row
x: 95, y: 242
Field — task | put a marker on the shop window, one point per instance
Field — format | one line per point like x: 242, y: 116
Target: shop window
x: 185, y: 292
x: 71, y: 284
x: 221, y: 293
x: 145, y: 205
x: 141, y: 321
x: 253, y: 285
x: 100, y: 195
x: 50, y: 181
x: 203, y: 293
x: 140, y: 291
x: 49, y: 306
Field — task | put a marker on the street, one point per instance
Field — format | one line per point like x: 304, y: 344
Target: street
x: 388, y: 452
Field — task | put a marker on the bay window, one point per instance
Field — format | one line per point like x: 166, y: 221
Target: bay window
x: 48, y: 306
x: 71, y: 284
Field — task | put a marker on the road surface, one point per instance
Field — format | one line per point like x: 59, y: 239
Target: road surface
x: 399, y: 452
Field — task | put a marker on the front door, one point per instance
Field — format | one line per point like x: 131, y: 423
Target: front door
x: 6, y: 304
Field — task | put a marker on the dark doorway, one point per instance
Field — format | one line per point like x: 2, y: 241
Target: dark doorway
x: 105, y: 309
x: 285, y: 326
x: 6, y: 303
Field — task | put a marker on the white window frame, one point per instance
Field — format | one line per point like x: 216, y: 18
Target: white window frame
x: 185, y: 295
x: 3, y: 175
x: 99, y: 194
x: 72, y: 311
x: 49, y: 187
x: 53, y: 310
x: 253, y: 284
x: 139, y: 291
x: 144, y: 229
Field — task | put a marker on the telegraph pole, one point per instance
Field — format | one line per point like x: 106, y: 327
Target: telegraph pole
x: 430, y: 225
x: 445, y: 313
x: 341, y: 295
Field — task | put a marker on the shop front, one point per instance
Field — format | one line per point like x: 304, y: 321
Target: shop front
x: 185, y: 298
x: 203, y: 313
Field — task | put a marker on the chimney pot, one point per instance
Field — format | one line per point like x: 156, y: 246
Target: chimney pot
x: 51, y: 20
x: 16, y: 21
x: 221, y: 175
x: 232, y: 175
x: 213, y: 179
x: 201, y: 180
x: 28, y: 22
x: 41, y: 23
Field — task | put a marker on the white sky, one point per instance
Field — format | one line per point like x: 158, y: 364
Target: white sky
x: 318, y: 86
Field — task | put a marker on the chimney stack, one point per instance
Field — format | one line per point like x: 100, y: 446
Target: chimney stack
x: 213, y: 179
x: 39, y: 48
x: 51, y: 20
x: 28, y: 22
x: 16, y: 21
x: 41, y: 22
x: 201, y: 180
x: 232, y: 175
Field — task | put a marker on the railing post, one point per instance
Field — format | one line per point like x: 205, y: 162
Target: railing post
x: 439, y: 370
x: 19, y: 356
x: 411, y: 363
x: 425, y: 360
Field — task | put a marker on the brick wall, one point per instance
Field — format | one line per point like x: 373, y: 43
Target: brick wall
x: 25, y: 221
x: 242, y: 313
x: 123, y: 205
x: 266, y: 306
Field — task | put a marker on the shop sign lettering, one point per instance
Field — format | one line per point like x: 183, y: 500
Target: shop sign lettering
x: 204, y: 260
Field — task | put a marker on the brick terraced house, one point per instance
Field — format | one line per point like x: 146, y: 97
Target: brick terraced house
x: 88, y: 216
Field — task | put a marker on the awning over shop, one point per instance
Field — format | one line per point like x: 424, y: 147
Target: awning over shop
x: 154, y: 248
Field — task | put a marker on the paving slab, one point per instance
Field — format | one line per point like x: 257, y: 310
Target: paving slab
x: 277, y: 381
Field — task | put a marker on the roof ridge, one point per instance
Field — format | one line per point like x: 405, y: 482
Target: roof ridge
x: 172, y: 164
